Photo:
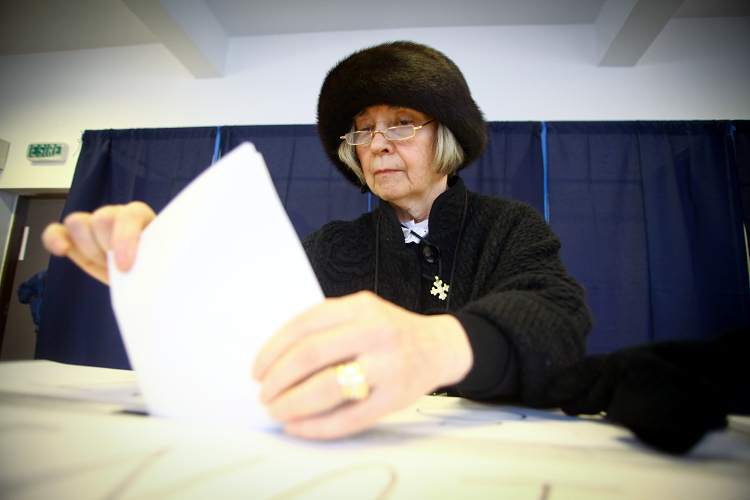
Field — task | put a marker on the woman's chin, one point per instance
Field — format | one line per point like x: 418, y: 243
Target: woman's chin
x: 387, y: 193
x: 388, y: 186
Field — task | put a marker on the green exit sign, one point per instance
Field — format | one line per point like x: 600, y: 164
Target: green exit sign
x: 47, y: 152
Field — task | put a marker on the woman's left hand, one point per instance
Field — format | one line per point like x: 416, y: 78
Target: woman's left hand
x: 403, y: 356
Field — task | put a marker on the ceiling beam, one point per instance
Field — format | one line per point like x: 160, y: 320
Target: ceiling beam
x: 189, y: 30
x: 627, y: 28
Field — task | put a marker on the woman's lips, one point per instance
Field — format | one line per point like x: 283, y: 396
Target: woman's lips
x: 386, y: 171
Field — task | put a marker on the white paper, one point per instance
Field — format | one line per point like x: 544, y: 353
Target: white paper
x: 217, y: 273
x: 60, y: 381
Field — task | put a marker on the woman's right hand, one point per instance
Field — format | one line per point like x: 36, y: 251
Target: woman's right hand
x: 85, y: 238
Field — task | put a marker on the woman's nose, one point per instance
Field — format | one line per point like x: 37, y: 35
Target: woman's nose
x: 379, y: 142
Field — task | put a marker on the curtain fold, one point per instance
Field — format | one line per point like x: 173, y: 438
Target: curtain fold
x: 511, y: 165
x: 648, y: 213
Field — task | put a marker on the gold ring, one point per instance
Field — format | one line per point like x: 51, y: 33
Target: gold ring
x: 352, y: 381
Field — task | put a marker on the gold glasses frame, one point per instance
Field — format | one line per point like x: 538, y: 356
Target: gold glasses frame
x: 349, y: 137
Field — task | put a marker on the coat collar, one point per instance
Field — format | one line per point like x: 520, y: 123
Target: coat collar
x: 444, y: 219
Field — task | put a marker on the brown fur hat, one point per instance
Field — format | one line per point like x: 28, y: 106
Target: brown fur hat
x: 400, y: 74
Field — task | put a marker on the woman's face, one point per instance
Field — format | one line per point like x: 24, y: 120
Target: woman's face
x: 399, y: 172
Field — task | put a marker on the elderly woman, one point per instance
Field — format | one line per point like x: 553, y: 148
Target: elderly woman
x: 437, y: 290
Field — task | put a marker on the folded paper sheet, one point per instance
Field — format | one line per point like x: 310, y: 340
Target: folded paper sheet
x: 217, y: 272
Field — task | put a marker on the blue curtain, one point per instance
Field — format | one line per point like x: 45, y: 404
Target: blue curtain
x: 740, y: 144
x: 511, y: 165
x: 649, y: 217
x: 311, y: 190
x: 77, y: 324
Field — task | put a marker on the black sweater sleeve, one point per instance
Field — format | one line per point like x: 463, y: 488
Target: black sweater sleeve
x: 534, y: 308
x: 494, y: 372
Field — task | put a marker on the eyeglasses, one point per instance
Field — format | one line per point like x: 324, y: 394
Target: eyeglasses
x: 397, y: 133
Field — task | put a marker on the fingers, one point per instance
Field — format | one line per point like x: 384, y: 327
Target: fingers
x: 403, y: 356
x: 55, y: 239
x: 318, y: 409
x: 85, y: 238
x: 81, y: 233
x: 298, y: 372
x: 324, y: 316
x: 102, y: 221
x: 320, y: 393
x: 314, y: 353
x: 126, y: 231
x: 344, y: 420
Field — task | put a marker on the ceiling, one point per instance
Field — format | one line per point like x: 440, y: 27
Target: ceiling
x: 31, y: 26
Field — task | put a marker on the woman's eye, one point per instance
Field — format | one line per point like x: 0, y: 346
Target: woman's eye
x: 405, y: 121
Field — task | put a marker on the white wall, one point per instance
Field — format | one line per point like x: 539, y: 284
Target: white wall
x: 696, y: 69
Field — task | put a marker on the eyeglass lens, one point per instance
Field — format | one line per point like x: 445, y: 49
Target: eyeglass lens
x: 398, y: 133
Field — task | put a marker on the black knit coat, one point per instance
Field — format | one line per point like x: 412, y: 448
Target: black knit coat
x: 524, y: 315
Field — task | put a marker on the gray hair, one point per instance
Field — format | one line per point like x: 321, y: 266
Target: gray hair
x: 448, y: 156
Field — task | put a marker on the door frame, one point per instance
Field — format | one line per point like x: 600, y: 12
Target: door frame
x: 15, y: 240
